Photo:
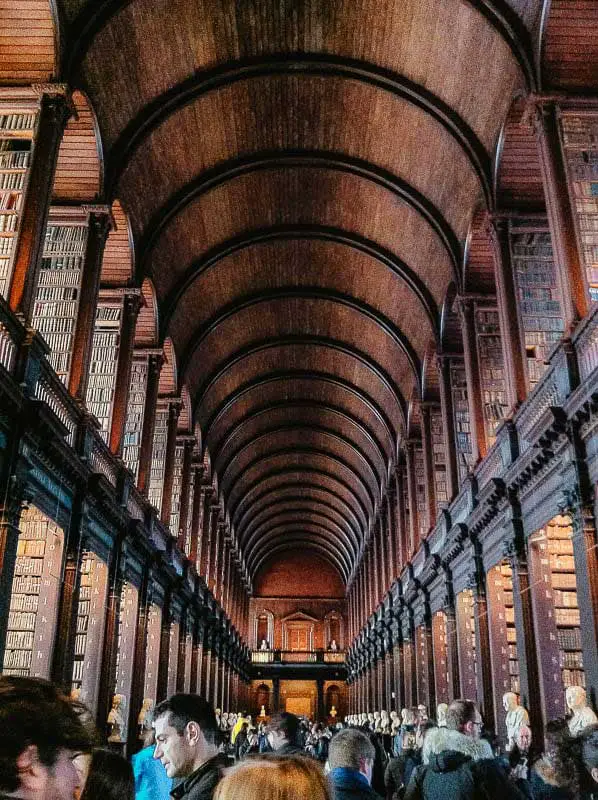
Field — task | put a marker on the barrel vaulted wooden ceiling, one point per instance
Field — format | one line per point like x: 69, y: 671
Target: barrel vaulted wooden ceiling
x: 300, y: 177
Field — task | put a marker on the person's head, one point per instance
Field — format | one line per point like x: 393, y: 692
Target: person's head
x: 463, y: 716
x: 283, y: 728
x: 523, y: 738
x: 562, y: 753
x: 186, y: 733
x: 589, y: 751
x: 110, y: 777
x: 352, y: 749
x: 42, y: 736
x: 272, y: 777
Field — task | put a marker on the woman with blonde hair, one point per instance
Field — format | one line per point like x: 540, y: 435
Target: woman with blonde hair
x: 272, y: 777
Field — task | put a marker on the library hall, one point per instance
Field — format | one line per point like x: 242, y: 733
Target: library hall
x: 299, y: 362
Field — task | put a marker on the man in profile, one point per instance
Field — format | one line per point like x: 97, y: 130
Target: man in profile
x: 41, y: 736
x: 187, y: 739
x: 351, y: 760
x: 283, y: 734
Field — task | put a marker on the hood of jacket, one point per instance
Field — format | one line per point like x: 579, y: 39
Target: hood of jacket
x: 440, y: 740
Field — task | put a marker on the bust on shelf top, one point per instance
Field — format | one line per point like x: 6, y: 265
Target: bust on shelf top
x: 333, y: 712
x: 515, y: 718
x: 116, y: 720
x: 582, y: 715
x: 264, y: 645
x: 333, y: 646
x: 144, y: 716
x: 441, y: 710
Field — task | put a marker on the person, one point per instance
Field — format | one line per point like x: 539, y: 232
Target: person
x: 241, y: 741
x: 110, y: 777
x: 283, y: 734
x: 274, y: 777
x: 151, y: 780
x: 456, y: 763
x: 187, y: 739
x: 43, y: 734
x: 398, y: 770
x: 555, y: 776
x: 351, y: 757
x: 589, y: 756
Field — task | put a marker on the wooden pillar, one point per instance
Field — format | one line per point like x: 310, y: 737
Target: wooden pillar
x: 149, y: 418
x: 412, y: 494
x: 108, y: 669
x: 99, y: 224
x: 448, y: 425
x: 163, y: 660
x: 401, y: 532
x: 174, y: 409
x: 139, y: 657
x: 131, y: 306
x: 213, y: 515
x: 55, y: 109
x: 185, y: 496
x: 512, y: 338
x: 391, y: 538
x: 474, y: 381
x: 196, y: 518
x: 206, y: 517
x: 570, y: 270
x: 383, y: 549
x: 482, y: 633
x: 428, y: 452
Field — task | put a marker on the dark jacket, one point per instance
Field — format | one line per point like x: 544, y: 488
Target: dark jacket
x: 290, y: 750
x: 454, y: 770
x: 349, y: 784
x: 200, y: 785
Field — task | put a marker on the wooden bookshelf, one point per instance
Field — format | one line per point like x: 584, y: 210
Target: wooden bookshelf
x: 492, y: 371
x: 135, y: 412
x: 156, y: 481
x: 154, y: 627
x: 127, y: 627
x: 579, y: 136
x: 177, y: 485
x: 91, y: 614
x: 462, y: 421
x: 34, y: 599
x: 539, y: 304
x: 441, y: 657
x: 58, y: 290
x: 420, y: 492
x: 173, y: 656
x: 189, y: 527
x: 103, y: 364
x: 503, y: 634
x: 17, y: 129
x: 466, y: 638
x: 439, y: 459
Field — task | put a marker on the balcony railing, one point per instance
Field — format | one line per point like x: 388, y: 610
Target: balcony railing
x: 298, y: 657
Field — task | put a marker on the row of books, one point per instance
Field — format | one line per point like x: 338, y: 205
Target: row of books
x: 13, y: 159
x: 17, y: 122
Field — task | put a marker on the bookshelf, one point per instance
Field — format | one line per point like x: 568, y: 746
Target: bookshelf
x: 441, y: 659
x: 188, y: 656
x: 421, y: 666
x: 33, y: 607
x: 579, y: 136
x: 462, y: 422
x: 420, y: 492
x: 127, y: 627
x: 466, y: 638
x: 156, y: 482
x: 154, y: 627
x: 189, y: 528
x: 135, y: 412
x: 91, y: 614
x: 173, y: 656
x: 58, y: 291
x: 492, y: 371
x: 177, y: 485
x: 103, y: 364
x: 503, y: 634
x: 438, y: 458
x: 537, y: 288
x: 17, y: 129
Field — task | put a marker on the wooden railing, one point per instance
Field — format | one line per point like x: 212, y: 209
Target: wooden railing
x: 298, y: 657
x: 11, y: 335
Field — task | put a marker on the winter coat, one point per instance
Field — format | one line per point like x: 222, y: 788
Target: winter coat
x: 200, y: 785
x: 455, y: 767
x: 349, y: 784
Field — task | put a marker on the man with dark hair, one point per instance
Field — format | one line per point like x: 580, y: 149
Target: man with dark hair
x: 458, y: 764
x: 187, y: 738
x: 41, y: 736
x: 283, y: 734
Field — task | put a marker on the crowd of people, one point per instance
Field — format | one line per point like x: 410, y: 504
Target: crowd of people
x: 50, y: 751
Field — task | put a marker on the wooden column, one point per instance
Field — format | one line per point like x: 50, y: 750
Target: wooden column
x: 401, y: 532
x: 448, y: 425
x: 163, y: 660
x: 196, y: 518
x: 474, y: 381
x: 55, y: 109
x: 131, y: 306
x: 149, y: 419
x: 383, y: 547
x: 213, y: 515
x: 204, y: 555
x: 108, y: 669
x: 570, y: 269
x: 512, y: 338
x: 391, y: 539
x: 484, y: 675
x: 99, y: 225
x: 139, y: 657
x: 174, y: 409
x: 185, y: 495
x: 428, y: 452
x: 412, y: 494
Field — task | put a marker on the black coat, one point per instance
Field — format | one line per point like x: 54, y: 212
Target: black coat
x: 349, y: 787
x: 201, y: 784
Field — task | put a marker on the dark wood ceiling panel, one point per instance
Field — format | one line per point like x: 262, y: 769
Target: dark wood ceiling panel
x: 519, y: 180
x: 286, y: 316
x: 295, y: 264
x: 394, y: 36
x: 27, y: 42
x: 302, y: 112
x: 299, y: 196
x: 78, y: 176
x: 571, y: 45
